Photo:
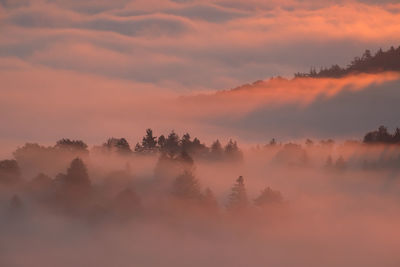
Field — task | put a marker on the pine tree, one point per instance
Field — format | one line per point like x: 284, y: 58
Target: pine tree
x: 268, y: 196
x: 186, y: 187
x: 149, y: 142
x: 238, y: 197
x: 216, y: 150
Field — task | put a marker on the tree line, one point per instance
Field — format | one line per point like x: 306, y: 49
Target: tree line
x: 368, y: 63
x: 74, y: 193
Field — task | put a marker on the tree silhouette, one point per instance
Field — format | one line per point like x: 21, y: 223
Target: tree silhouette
x: 232, y: 151
x: 161, y: 142
x: 382, y: 136
x: 382, y: 61
x: 268, y: 196
x: 172, y: 143
x: 186, y: 187
x: 75, y: 185
x: 119, y: 145
x: 217, y: 151
x: 71, y: 145
x: 238, y: 197
x: 149, y: 142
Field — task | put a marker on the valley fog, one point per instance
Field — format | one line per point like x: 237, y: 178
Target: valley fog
x: 318, y: 203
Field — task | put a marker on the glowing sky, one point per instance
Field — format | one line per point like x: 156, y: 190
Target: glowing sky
x: 88, y: 68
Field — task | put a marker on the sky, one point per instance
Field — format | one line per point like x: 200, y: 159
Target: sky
x: 94, y: 69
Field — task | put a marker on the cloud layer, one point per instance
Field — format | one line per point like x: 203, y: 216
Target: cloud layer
x: 194, y: 44
x: 98, y: 68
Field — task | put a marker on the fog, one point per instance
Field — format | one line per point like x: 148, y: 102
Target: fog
x: 326, y: 204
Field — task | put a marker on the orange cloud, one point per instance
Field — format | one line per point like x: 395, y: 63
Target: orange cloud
x: 278, y: 92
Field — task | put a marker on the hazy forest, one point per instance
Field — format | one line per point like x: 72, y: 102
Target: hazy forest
x: 176, y: 185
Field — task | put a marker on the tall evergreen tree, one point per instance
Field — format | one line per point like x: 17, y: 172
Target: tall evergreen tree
x: 172, y: 143
x: 238, y: 197
x: 217, y: 152
x: 77, y: 174
x: 149, y: 142
x: 186, y: 187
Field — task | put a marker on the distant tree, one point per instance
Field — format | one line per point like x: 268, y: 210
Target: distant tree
x: 139, y: 148
x: 396, y: 136
x: 198, y: 147
x: 119, y: 145
x: 161, y: 142
x: 381, y: 136
x: 292, y: 155
x: 9, y: 172
x: 272, y: 142
x: 328, y: 142
x: 172, y: 144
x: 217, y: 152
x: 309, y: 142
x: 382, y: 61
x: 77, y: 174
x: 149, y: 142
x: 40, y: 186
x: 232, y: 151
x: 185, y: 158
x: 186, y: 143
x: 186, y: 187
x: 36, y: 158
x: 268, y: 196
x: 71, y: 145
x: 238, y: 197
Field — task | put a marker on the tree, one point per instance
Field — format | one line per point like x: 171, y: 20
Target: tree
x: 396, y: 136
x: 40, y: 185
x: 380, y: 136
x: 272, y: 142
x: 139, y: 148
x: 71, y: 145
x: 77, y: 176
x: 172, y: 143
x: 9, y: 172
x: 149, y: 142
x: 238, y: 197
x: 217, y: 151
x: 185, y: 158
x: 268, y: 196
x: 232, y: 151
x: 161, y: 143
x: 186, y: 187
x: 119, y: 145
x: 186, y: 143
x: 309, y: 143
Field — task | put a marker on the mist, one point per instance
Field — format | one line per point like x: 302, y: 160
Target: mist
x: 311, y: 204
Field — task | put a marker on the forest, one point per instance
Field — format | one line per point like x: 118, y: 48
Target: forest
x: 381, y: 61
x: 111, y: 192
